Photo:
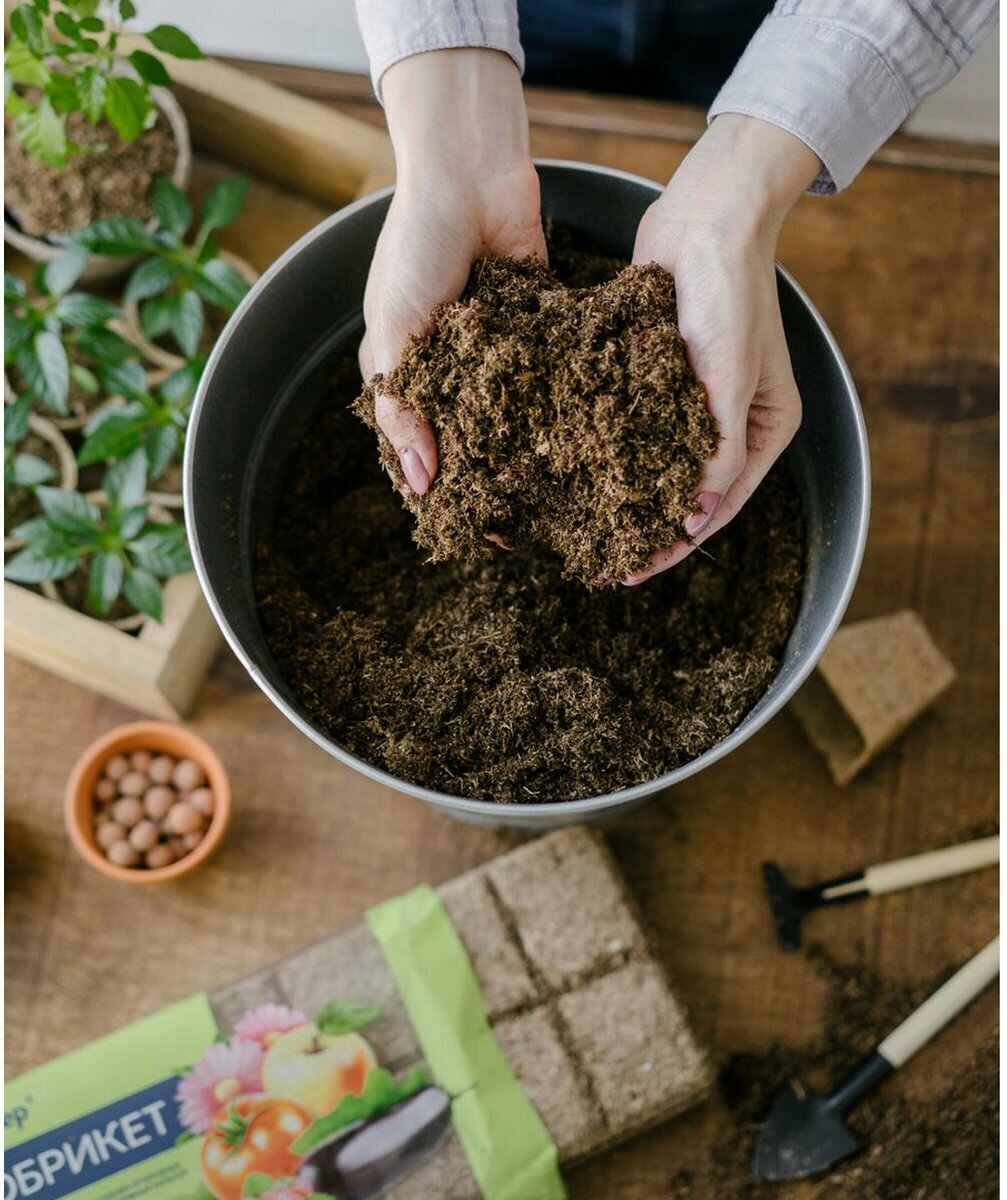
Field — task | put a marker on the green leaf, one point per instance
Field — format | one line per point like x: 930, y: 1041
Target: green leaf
x: 15, y: 420
x: 127, y: 9
x: 162, y: 551
x: 224, y: 202
x: 221, y: 284
x: 132, y: 521
x: 180, y: 386
x: 143, y: 592
x: 46, y: 370
x: 36, y: 563
x: 105, y: 346
x: 66, y: 25
x: 85, y: 312
x: 119, y: 433
x: 186, y: 1135
x: 42, y: 132
x: 91, y: 87
x: 151, y: 278
x: 23, y: 66
x: 172, y: 207
x: 119, y: 237
x: 105, y: 580
x: 63, y: 93
x: 160, y: 446
x: 17, y: 333
x: 127, y: 379
x: 171, y: 40
x: 344, y: 1016
x: 126, y: 480
x: 256, y: 1184
x: 127, y: 105
x: 30, y: 471
x: 13, y: 286
x: 27, y: 26
x: 63, y: 272
x: 86, y: 380
x: 35, y: 529
x: 92, y: 24
x: 150, y: 69
x: 180, y: 314
x: 380, y: 1093
x: 68, y: 512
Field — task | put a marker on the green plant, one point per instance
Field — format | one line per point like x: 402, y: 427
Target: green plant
x: 176, y: 276
x: 21, y: 470
x: 48, y: 337
x: 73, y: 63
x: 123, y: 551
x: 151, y: 420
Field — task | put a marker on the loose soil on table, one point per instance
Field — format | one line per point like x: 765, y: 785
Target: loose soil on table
x: 941, y: 1148
x: 501, y: 679
x: 117, y: 182
x: 566, y: 417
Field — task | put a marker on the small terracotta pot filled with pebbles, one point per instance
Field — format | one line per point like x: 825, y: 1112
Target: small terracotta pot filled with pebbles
x: 148, y: 802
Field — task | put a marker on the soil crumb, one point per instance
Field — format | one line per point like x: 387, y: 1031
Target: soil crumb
x: 502, y: 679
x: 567, y: 417
x: 942, y: 1147
x: 118, y: 182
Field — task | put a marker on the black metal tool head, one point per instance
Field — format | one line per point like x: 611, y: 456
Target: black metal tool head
x: 788, y: 905
x: 804, y: 1133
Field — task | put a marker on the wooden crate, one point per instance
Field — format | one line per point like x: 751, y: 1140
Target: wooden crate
x: 286, y: 142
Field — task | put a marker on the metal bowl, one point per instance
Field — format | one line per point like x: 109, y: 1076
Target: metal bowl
x: 265, y: 378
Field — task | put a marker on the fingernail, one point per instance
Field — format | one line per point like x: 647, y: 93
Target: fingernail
x: 695, y: 523
x: 414, y: 470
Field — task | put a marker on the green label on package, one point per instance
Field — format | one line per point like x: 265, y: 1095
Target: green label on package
x: 103, y: 1122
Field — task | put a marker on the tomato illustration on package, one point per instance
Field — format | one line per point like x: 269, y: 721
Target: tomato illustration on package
x: 286, y: 1107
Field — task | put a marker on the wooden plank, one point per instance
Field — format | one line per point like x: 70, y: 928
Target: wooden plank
x: 254, y: 124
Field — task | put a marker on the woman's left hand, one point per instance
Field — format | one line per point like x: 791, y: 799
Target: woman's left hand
x: 715, y: 229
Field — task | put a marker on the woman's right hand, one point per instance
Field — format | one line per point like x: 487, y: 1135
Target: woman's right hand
x: 465, y: 187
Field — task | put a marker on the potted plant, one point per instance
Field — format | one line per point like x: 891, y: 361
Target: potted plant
x: 90, y: 125
x: 167, y: 295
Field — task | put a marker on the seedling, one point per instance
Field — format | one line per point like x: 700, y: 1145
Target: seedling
x: 123, y: 551
x: 151, y: 420
x: 176, y: 276
x: 21, y: 469
x: 74, y: 64
x: 47, y: 336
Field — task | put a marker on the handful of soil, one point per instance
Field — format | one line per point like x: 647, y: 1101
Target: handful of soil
x: 502, y: 680
x: 566, y: 417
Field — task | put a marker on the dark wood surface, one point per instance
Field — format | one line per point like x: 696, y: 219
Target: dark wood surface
x: 903, y: 267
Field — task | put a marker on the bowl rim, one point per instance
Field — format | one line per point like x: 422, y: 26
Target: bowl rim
x: 587, y: 807
x: 102, y: 748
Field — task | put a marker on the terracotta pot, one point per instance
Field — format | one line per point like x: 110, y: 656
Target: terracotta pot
x: 158, y: 737
x: 132, y: 331
x: 101, y: 267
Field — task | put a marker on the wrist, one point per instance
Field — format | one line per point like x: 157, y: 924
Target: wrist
x: 766, y: 168
x: 456, y: 113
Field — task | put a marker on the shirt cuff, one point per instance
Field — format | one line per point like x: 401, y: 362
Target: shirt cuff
x: 396, y: 29
x: 823, y: 83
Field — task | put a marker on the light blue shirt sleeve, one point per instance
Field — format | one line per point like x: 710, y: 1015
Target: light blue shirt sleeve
x: 842, y: 75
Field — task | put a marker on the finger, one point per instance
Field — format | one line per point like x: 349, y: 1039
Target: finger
x: 365, y: 357
x: 774, y: 418
x: 412, y: 440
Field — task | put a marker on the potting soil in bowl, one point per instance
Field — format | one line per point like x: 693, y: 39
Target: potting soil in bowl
x: 502, y: 678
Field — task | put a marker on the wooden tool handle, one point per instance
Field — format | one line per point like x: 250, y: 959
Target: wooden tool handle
x: 947, y: 1002
x: 938, y: 864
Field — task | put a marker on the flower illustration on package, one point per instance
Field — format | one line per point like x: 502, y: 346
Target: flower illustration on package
x: 290, y: 1108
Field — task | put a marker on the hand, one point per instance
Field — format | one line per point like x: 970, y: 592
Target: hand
x: 465, y: 187
x: 715, y: 229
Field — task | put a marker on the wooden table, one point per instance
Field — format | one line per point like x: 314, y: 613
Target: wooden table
x: 903, y: 267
